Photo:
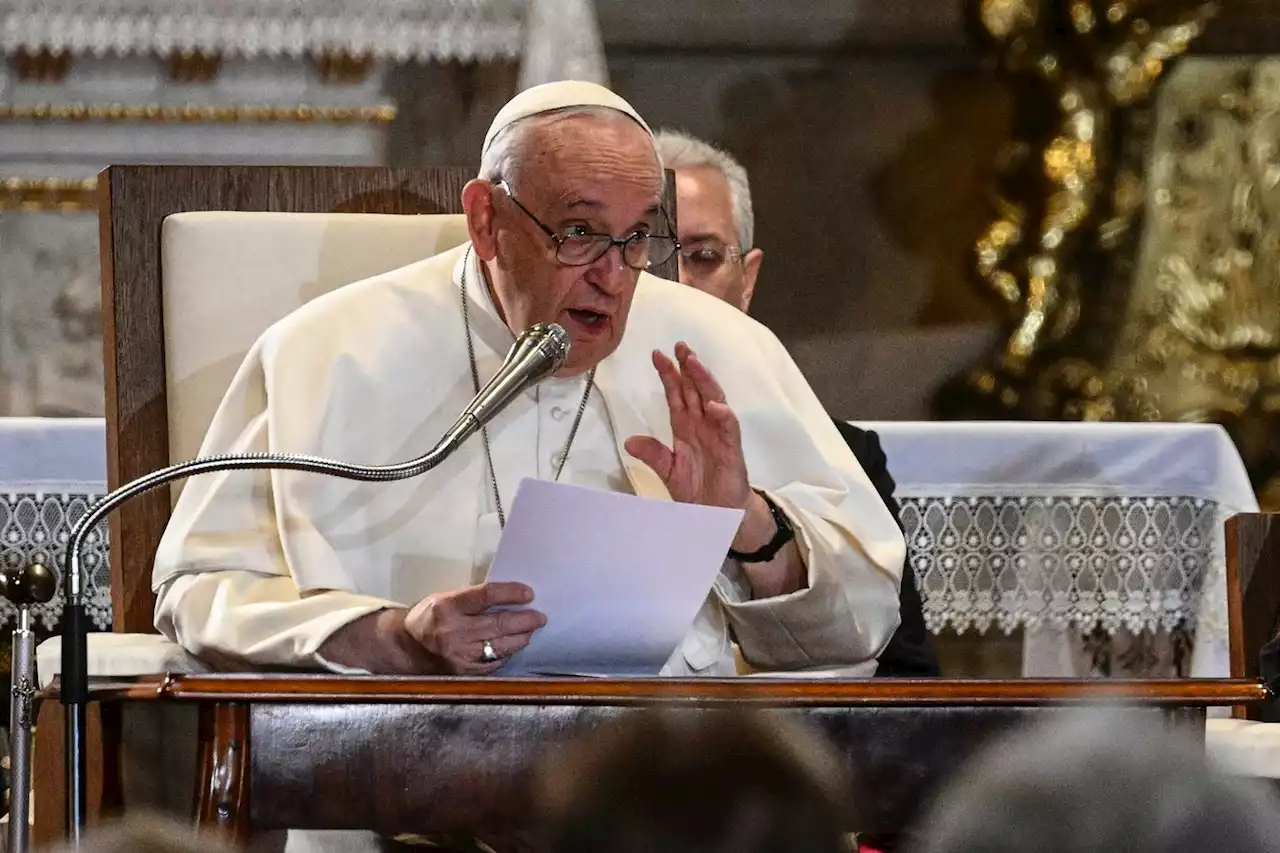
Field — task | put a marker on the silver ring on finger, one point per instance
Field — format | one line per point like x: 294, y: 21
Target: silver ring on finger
x: 487, y: 654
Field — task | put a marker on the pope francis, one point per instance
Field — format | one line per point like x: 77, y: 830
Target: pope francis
x: 667, y: 393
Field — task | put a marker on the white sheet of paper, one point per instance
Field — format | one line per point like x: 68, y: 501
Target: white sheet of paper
x: 620, y: 578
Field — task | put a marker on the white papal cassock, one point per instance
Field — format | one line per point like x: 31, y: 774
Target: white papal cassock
x: 260, y: 568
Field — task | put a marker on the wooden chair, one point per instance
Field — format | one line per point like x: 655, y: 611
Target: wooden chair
x: 1249, y: 743
x: 477, y: 736
x: 134, y: 204
x: 1253, y: 582
x: 161, y: 391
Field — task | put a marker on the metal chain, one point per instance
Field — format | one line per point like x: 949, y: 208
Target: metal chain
x: 484, y: 430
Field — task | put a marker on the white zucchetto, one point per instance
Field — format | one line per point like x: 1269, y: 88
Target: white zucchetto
x: 563, y: 94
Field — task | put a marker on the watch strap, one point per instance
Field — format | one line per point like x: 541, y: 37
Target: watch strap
x: 784, y: 534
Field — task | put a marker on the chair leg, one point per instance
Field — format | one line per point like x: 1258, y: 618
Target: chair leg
x: 112, y: 722
x: 222, y: 774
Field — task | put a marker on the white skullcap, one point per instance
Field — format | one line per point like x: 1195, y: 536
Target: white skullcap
x: 560, y: 95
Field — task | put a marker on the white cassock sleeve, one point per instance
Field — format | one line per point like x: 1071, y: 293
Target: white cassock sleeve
x: 224, y: 587
x: 850, y: 544
x: 237, y: 619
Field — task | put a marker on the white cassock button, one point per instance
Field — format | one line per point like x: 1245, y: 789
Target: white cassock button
x: 559, y: 413
x: 557, y: 458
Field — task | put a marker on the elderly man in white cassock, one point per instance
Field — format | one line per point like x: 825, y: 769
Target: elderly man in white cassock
x: 667, y: 393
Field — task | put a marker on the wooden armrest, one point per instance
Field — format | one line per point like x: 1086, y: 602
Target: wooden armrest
x: 775, y: 692
x: 1253, y: 591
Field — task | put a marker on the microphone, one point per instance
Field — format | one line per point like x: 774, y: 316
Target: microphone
x: 537, y: 353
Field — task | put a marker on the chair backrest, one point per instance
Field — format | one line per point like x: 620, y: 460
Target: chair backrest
x: 1253, y: 590
x: 271, y: 264
x: 197, y: 261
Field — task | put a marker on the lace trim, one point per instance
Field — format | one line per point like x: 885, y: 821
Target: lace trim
x: 1110, y: 564
x: 398, y: 30
x: 1097, y: 562
x: 35, y: 527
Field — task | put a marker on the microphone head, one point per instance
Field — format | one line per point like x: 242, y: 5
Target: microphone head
x: 539, y: 352
x: 544, y: 347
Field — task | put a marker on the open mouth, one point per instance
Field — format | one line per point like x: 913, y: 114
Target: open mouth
x: 588, y: 319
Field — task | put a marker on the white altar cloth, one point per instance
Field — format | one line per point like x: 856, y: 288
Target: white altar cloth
x: 1062, y: 528
x: 51, y: 471
x: 1057, y: 528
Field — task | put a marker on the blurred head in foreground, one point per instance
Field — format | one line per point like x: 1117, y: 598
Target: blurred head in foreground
x: 149, y: 834
x: 697, y: 783
x: 1100, y: 783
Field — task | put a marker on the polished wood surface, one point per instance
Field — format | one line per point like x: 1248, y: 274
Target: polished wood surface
x: 222, y: 772
x: 1253, y: 583
x: 405, y: 754
x: 473, y: 769
x: 738, y: 692
x: 431, y: 754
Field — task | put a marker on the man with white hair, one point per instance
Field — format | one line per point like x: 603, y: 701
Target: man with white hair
x: 667, y: 394
x: 718, y: 256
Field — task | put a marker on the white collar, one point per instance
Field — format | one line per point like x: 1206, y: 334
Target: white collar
x: 477, y: 285
x: 489, y: 325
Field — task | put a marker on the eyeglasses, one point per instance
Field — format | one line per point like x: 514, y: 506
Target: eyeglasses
x: 640, y: 250
x: 705, y: 258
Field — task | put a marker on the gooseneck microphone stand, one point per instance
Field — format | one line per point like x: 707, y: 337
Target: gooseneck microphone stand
x: 75, y: 619
x: 536, y: 354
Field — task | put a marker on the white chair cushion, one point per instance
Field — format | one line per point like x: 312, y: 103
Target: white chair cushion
x: 229, y: 275
x: 1244, y: 747
x: 120, y: 655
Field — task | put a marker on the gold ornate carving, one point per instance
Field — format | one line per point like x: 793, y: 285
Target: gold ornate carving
x: 48, y: 194
x: 1200, y: 339
x: 41, y: 66
x: 1069, y: 189
x: 1137, y: 238
x: 196, y: 113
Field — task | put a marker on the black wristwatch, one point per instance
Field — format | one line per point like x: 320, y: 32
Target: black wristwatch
x: 784, y: 534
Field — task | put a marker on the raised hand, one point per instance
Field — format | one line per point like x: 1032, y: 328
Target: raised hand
x: 704, y: 464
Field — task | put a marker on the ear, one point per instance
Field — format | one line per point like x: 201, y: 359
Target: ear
x: 477, y: 203
x: 750, y: 269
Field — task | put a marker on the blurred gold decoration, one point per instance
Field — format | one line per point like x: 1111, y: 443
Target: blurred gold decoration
x: 1069, y: 190
x: 40, y: 66
x: 341, y: 68
x: 1137, y: 233
x: 48, y: 194
x: 1200, y: 338
x: 197, y: 113
x: 193, y: 66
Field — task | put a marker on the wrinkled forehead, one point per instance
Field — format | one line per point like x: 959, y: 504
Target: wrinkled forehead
x: 593, y: 156
x: 594, y: 132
